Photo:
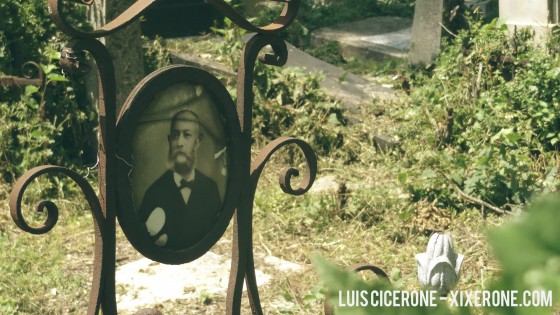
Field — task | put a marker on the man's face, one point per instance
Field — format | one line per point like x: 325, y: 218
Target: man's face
x: 183, y: 144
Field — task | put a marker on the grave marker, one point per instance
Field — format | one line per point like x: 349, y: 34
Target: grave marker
x: 426, y: 31
x: 540, y: 15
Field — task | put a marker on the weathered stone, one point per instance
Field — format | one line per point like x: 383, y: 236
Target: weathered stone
x: 352, y: 90
x: 439, y: 267
x: 426, y: 31
x: 124, y: 46
x: 540, y: 15
x: 204, y: 64
x: 385, y: 144
x: 375, y: 38
x: 327, y: 184
x: 148, y: 311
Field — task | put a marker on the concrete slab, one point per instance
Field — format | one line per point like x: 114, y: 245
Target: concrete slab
x: 351, y: 89
x: 203, y: 62
x: 540, y: 15
x: 373, y: 38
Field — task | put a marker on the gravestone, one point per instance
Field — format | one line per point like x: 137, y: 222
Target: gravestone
x: 540, y: 15
x: 426, y: 31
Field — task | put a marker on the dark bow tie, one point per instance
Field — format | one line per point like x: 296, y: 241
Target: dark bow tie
x: 186, y: 184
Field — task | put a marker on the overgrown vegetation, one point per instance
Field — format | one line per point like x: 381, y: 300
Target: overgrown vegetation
x: 287, y: 101
x: 315, y: 14
x: 40, y: 125
x: 483, y: 120
x: 493, y: 102
x: 527, y: 250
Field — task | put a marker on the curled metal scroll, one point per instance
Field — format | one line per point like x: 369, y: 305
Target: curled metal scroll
x: 357, y: 268
x: 285, y: 177
x: 16, y: 198
x: 102, y: 294
x: 245, y: 95
x: 242, y: 266
x: 289, y: 13
x: 285, y: 180
x: 56, y: 9
x: 32, y: 75
x: 106, y: 170
x: 58, y: 15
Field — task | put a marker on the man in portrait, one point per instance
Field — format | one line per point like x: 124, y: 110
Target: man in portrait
x: 182, y: 205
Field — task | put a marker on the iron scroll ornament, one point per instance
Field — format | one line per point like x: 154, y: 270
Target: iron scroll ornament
x: 32, y: 73
x: 57, y: 11
x: 242, y: 266
x: 245, y: 173
x: 171, y: 81
x: 102, y: 294
x: 99, y: 221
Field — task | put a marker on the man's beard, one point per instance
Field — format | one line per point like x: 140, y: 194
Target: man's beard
x: 183, y: 163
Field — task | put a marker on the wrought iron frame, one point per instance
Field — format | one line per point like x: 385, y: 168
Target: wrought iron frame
x: 104, y: 207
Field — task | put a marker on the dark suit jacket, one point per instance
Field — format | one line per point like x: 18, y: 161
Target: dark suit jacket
x: 185, y: 224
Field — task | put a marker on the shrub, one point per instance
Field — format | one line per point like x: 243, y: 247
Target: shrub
x: 39, y: 125
x: 489, y: 116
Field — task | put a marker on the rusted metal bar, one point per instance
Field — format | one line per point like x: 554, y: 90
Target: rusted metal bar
x: 246, y: 175
x: 32, y: 75
x: 328, y: 309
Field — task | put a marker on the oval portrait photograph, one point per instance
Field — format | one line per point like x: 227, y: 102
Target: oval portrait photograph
x: 176, y: 158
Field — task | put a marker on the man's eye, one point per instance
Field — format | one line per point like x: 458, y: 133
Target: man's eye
x: 174, y: 136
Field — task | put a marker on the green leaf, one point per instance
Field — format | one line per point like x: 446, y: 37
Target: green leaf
x: 333, y: 120
x: 30, y: 89
x: 428, y: 173
x: 395, y: 274
x: 402, y: 177
x: 57, y: 77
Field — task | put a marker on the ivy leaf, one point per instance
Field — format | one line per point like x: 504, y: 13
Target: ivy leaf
x: 57, y: 77
x: 428, y: 173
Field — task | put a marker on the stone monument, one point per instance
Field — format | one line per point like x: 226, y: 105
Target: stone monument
x: 439, y: 267
x: 540, y: 15
x: 426, y: 31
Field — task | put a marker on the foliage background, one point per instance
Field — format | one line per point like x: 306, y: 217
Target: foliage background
x: 47, y: 125
x: 495, y: 143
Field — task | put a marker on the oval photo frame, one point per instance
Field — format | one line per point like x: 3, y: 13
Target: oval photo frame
x: 178, y: 156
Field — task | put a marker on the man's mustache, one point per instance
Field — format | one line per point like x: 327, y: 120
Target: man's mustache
x: 185, y: 154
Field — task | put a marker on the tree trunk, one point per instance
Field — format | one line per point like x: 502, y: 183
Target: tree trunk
x: 125, y: 48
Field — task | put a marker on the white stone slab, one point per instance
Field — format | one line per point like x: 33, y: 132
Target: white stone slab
x: 399, y: 39
x: 144, y: 283
x: 530, y: 14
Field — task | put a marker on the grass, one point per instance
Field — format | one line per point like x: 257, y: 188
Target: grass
x: 46, y: 274
x: 374, y: 220
x: 378, y: 224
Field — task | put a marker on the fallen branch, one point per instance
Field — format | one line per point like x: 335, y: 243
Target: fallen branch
x: 475, y: 200
x: 479, y: 201
x: 447, y: 30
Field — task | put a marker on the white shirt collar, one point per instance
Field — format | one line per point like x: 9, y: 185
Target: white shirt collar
x: 178, y: 178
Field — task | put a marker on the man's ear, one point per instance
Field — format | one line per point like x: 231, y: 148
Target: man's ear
x: 198, y: 140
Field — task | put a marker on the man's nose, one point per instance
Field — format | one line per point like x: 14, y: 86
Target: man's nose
x: 182, y: 140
